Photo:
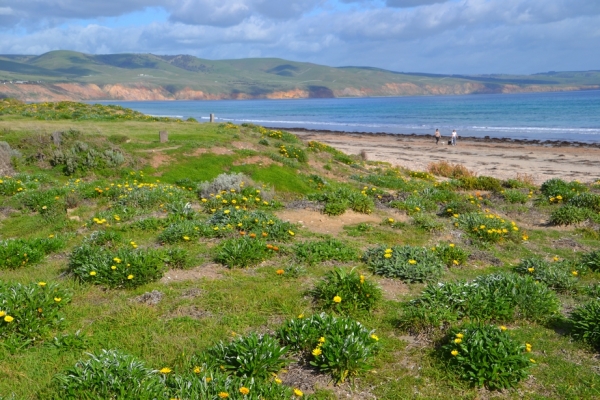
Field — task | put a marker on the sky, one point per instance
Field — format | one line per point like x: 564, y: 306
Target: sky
x: 434, y: 36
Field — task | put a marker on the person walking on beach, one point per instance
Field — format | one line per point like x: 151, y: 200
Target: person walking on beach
x: 454, y: 136
x: 438, y: 135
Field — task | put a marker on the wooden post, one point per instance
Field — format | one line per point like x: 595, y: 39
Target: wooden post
x: 164, y: 136
x: 56, y: 138
x: 212, y: 117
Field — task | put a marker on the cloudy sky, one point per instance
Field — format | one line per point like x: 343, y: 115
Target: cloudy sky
x: 438, y: 36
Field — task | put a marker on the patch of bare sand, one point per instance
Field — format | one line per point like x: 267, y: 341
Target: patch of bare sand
x: 393, y: 289
x: 501, y: 160
x: 215, y: 150
x: 243, y: 145
x: 321, y: 223
x: 206, y: 271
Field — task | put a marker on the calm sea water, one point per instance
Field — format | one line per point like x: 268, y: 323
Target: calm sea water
x: 573, y: 116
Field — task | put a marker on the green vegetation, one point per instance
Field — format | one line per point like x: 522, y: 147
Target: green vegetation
x: 196, y: 269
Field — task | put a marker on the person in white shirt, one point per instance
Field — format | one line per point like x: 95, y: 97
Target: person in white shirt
x: 454, y: 136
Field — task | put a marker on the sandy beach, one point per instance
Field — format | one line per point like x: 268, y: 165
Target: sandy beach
x: 501, y: 158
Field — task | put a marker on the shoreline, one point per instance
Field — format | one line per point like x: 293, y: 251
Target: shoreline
x: 536, y: 160
x: 485, y: 139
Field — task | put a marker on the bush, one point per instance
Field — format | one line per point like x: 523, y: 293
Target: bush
x: 295, y: 152
x: 122, y: 267
x: 414, y: 204
x: 487, y: 183
x: 559, y: 276
x: 459, y: 207
x: 569, y: 215
x: 243, y: 252
x: 18, y: 253
x: 449, y: 170
x: 324, y: 250
x: 591, y: 260
x: 346, y: 291
x: 339, y: 346
x: 556, y: 190
x: 109, y: 375
x: 177, y: 258
x: 253, y: 356
x: 409, y: 263
x: 585, y: 323
x: 486, y: 355
x: 427, y: 222
x: 252, y: 224
x: 28, y: 312
x: 489, y: 228
x: 338, y: 200
x: 224, y: 182
x: 496, y: 297
x: 450, y: 254
x: 586, y: 200
x: 515, y: 196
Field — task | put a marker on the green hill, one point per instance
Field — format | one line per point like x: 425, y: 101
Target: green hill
x: 148, y: 76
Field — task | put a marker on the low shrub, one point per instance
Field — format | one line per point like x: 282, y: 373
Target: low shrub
x: 252, y: 224
x: 116, y: 267
x: 314, y: 252
x: 338, y: 200
x: 291, y: 151
x: 558, y: 189
x: 585, y: 323
x: 450, y: 254
x: 586, y: 200
x: 496, y: 297
x: 569, y: 215
x: 486, y: 355
x: 109, y: 375
x: 177, y: 258
x: 414, y: 204
x: 409, y: 263
x: 487, y: 183
x: 559, y: 276
x: 591, y: 260
x: 427, y: 222
x: 243, y: 252
x: 459, y: 207
x: 18, y: 253
x: 28, y: 312
x: 488, y: 227
x: 252, y: 356
x: 346, y: 292
x: 341, y: 347
x: 449, y: 170
x: 515, y: 196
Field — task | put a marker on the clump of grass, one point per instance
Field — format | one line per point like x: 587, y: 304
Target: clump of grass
x: 451, y: 254
x: 486, y: 355
x: 346, y: 292
x: 341, y: 347
x: 449, y: 170
x: 409, y: 263
x: 585, y: 323
x: 560, y: 276
x: 19, y: 253
x: 243, y: 252
x: 313, y: 252
x: 496, y: 300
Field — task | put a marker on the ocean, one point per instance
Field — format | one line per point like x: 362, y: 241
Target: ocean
x: 570, y: 116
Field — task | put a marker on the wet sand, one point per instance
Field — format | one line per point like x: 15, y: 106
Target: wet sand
x: 500, y: 158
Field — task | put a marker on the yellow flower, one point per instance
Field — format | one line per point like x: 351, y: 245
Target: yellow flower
x: 117, y: 260
x: 50, y: 236
x: 460, y: 335
x: 455, y: 262
x: 525, y: 237
x: 527, y: 347
x: 113, y: 267
x: 298, y: 392
x: 223, y: 395
x: 208, y: 379
x: 337, y: 299
x: 130, y: 277
x: 391, y: 220
x: 280, y: 272
x: 374, y: 337
x: 575, y: 273
x: 532, y: 360
x: 197, y: 369
x: 41, y: 284
x: 278, y: 381
x: 57, y: 299
x: 2, y: 314
x: 186, y: 238
x: 165, y: 370
x: 555, y: 258
x: 412, y: 262
x: 387, y: 255
x: 316, y: 352
x: 93, y: 273
x: 291, y: 233
x: 322, y: 339
x: 226, y: 212
x: 8, y: 319
x: 451, y: 245
x: 503, y: 328
x: 244, y: 390
x: 454, y: 353
x: 387, y: 251
x: 300, y: 316
x: 457, y: 340
x: 362, y: 279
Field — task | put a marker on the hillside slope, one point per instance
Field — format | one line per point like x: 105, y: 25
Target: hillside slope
x: 68, y: 75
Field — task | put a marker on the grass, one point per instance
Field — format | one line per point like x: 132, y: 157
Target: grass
x: 213, y: 301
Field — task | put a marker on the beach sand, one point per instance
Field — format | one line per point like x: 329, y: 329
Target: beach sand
x: 500, y: 158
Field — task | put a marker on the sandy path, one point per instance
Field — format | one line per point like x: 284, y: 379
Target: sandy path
x: 501, y: 160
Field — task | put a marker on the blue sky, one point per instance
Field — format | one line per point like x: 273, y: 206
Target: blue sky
x: 437, y: 36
